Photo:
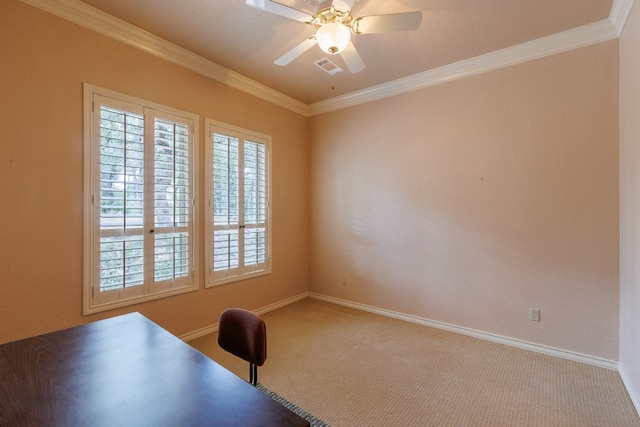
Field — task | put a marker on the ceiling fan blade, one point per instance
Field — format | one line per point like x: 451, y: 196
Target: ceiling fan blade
x: 296, y: 51
x: 387, y: 23
x: 280, y: 9
x: 352, y: 59
x: 343, y: 6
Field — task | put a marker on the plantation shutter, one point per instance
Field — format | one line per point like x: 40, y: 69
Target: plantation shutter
x: 226, y: 204
x: 172, y: 203
x: 144, y: 200
x: 239, y: 229
x: 255, y: 205
x: 121, y: 199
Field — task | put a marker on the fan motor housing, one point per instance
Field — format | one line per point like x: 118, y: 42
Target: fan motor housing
x: 331, y: 15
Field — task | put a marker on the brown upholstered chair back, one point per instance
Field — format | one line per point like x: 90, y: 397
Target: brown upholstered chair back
x: 244, y: 334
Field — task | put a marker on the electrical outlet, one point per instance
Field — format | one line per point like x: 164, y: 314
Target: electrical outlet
x: 534, y: 314
x: 343, y: 280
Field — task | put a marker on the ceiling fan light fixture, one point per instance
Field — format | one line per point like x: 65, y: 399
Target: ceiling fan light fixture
x: 333, y: 37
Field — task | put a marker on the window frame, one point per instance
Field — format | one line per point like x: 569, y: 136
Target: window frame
x: 213, y: 126
x: 93, y: 301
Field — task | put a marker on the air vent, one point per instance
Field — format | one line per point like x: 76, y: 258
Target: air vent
x: 328, y: 66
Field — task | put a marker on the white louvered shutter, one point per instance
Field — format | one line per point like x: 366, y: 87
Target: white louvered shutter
x: 255, y: 205
x: 121, y: 198
x: 142, y: 205
x: 172, y: 203
x: 239, y: 229
x: 226, y: 204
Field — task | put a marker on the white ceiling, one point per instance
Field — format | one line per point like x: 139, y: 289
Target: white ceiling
x: 247, y: 41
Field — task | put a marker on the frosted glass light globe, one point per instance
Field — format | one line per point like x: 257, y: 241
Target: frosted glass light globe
x: 333, y: 37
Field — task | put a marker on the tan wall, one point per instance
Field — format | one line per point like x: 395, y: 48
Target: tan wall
x: 43, y: 62
x: 630, y: 203
x: 466, y: 203
x: 470, y: 202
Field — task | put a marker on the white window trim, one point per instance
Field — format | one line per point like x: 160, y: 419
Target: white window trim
x: 89, y: 236
x: 211, y: 126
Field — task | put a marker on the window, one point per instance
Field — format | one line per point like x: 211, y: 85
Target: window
x: 238, y: 228
x: 139, y: 239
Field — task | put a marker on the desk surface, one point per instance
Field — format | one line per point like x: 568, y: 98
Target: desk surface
x: 125, y: 371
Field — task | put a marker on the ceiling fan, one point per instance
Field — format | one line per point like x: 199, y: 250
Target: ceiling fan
x: 334, y: 26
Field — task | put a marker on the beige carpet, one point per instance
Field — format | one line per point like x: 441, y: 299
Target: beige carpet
x: 352, y: 368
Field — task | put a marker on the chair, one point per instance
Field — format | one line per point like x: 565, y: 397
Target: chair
x: 244, y: 334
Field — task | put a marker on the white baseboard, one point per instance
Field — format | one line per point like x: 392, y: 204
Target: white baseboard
x: 633, y: 393
x: 214, y: 327
x: 565, y: 354
x: 282, y: 303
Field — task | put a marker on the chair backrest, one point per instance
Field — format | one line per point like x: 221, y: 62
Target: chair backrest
x: 244, y: 334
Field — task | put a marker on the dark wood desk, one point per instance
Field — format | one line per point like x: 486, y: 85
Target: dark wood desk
x: 125, y: 371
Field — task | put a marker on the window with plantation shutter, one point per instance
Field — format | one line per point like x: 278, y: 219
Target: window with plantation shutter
x: 139, y: 239
x: 238, y: 224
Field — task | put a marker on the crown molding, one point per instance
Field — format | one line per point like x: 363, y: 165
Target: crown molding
x: 94, y: 19
x: 561, y: 42
x: 619, y: 13
x: 103, y: 23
